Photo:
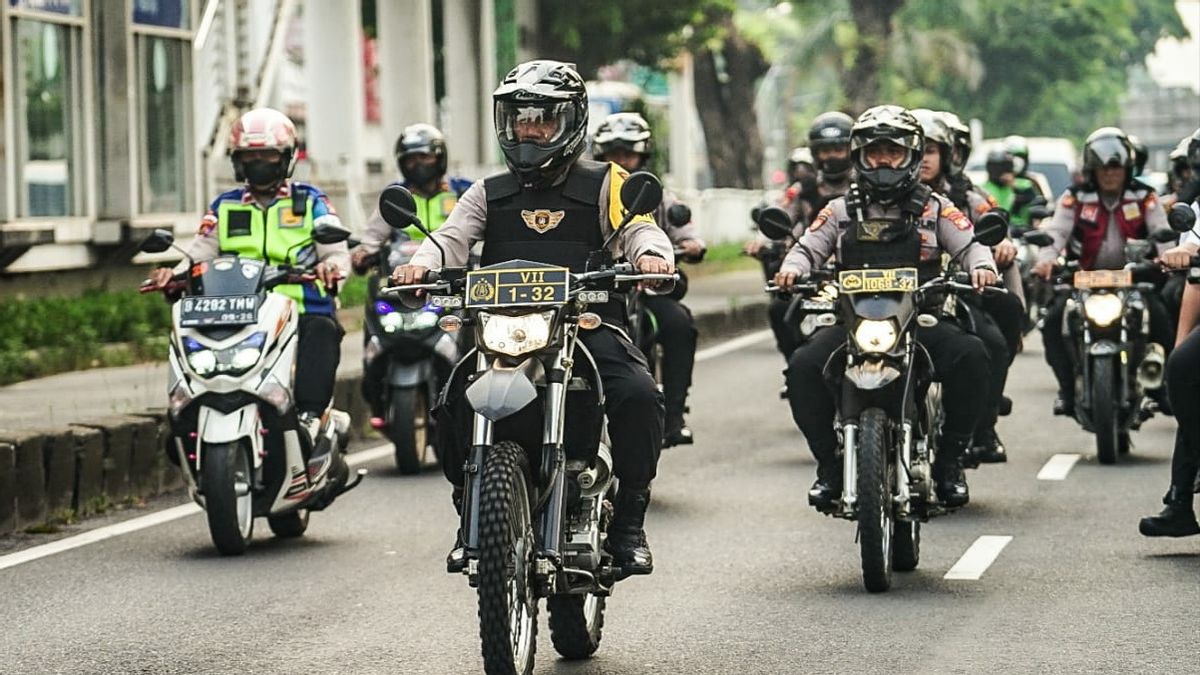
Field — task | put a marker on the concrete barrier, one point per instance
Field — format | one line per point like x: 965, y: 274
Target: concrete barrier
x: 29, y: 476
x: 89, y: 471
x: 8, y: 490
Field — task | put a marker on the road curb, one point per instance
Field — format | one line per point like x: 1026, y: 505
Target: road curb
x: 84, y: 467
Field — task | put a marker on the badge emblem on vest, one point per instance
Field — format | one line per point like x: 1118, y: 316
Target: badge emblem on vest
x: 872, y: 230
x: 542, y: 220
x: 482, y: 291
x: 290, y: 219
x: 1131, y: 211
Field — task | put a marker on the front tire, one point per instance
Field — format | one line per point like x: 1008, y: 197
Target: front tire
x: 408, y: 425
x: 228, y: 502
x: 875, y: 500
x: 507, y: 604
x: 576, y: 624
x: 1104, y: 410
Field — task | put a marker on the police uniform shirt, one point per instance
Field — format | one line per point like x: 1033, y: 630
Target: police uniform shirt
x: 676, y: 233
x: 1111, y: 255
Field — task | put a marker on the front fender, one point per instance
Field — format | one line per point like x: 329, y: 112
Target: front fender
x: 500, y: 392
x: 410, y: 374
x: 1104, y: 348
x: 215, y: 427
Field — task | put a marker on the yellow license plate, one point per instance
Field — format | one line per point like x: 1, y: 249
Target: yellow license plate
x: 1104, y: 279
x: 900, y: 280
x: 506, y: 287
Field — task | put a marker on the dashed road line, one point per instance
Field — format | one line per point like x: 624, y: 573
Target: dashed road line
x: 1058, y: 467
x: 978, y: 558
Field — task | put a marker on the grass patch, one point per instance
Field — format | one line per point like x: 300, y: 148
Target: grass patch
x: 722, y: 258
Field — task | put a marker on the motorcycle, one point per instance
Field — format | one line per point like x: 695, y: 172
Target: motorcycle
x: 1106, y: 325
x: 538, y: 488
x: 1038, y: 294
x: 233, y: 423
x: 889, y: 411
x: 418, y: 353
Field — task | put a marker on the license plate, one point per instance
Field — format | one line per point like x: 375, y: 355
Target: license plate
x: 900, y: 280
x: 221, y: 310
x: 1104, y: 279
x: 506, y: 287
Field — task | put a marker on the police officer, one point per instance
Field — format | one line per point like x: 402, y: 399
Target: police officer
x: 886, y: 149
x: 1097, y: 219
x: 999, y: 322
x: 541, y: 114
x: 421, y: 157
x: 625, y: 139
x: 270, y: 218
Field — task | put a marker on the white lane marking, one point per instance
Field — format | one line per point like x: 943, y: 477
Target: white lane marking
x: 1058, y: 467
x: 979, y: 557
x: 732, y: 345
x: 149, y: 520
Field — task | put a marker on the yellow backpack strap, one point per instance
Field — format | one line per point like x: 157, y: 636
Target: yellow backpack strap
x: 616, y: 211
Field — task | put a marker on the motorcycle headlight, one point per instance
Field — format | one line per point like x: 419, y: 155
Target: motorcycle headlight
x: 875, y: 336
x: 391, y: 322
x: 423, y: 321
x: 202, y: 362
x: 516, y: 335
x: 1103, y: 309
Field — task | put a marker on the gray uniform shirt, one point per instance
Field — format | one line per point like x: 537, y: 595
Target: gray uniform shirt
x: 942, y: 226
x: 1112, y: 251
x: 677, y: 234
x: 980, y: 202
x: 468, y: 221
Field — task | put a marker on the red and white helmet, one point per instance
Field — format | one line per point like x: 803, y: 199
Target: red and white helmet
x: 264, y: 129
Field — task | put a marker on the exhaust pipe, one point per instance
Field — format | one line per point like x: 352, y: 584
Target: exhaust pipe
x: 1150, y: 371
x: 594, y: 479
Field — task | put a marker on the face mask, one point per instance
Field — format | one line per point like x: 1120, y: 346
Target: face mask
x: 262, y: 174
x: 420, y: 174
x: 835, y: 167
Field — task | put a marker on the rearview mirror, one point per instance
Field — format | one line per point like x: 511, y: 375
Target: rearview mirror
x: 328, y: 233
x: 1038, y: 238
x: 774, y: 223
x: 1181, y: 218
x: 679, y: 215
x: 399, y: 208
x: 157, y: 241
x: 991, y: 228
x: 641, y: 193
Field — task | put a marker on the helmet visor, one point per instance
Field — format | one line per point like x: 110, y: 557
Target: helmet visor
x: 1110, y: 151
x: 542, y: 123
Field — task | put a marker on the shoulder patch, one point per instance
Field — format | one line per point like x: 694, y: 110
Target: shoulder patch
x: 1150, y: 201
x: 207, y: 224
x: 982, y: 208
x: 1068, y: 200
x: 822, y: 217
x: 790, y: 194
x: 958, y: 218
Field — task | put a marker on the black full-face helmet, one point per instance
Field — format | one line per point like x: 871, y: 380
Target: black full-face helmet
x: 887, y: 124
x: 830, y: 130
x: 934, y: 126
x: 1107, y: 146
x: 421, y: 139
x: 541, y: 114
x: 998, y: 163
x: 627, y: 131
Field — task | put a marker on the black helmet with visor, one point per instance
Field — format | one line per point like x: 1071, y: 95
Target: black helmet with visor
x: 541, y: 114
x: 894, y: 125
x: 627, y: 131
x: 421, y: 139
x: 998, y: 163
x: 830, y: 130
x: 1107, y: 146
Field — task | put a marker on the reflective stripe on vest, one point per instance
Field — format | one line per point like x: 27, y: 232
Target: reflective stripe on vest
x: 277, y: 242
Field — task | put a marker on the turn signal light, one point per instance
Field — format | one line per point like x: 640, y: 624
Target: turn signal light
x: 589, y: 321
x: 450, y: 323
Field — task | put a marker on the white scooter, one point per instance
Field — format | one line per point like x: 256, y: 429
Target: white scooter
x: 233, y: 420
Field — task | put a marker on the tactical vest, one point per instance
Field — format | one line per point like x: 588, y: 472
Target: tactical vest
x: 885, y: 242
x: 433, y: 212
x: 559, y: 225
x: 276, y: 235
x: 1092, y: 220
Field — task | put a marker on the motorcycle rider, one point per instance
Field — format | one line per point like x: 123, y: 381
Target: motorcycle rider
x: 421, y: 156
x: 625, y: 139
x: 1084, y: 217
x: 1013, y: 194
x: 999, y: 324
x: 265, y: 219
x: 886, y: 150
x: 1178, y: 518
x: 541, y: 113
x: 1018, y: 148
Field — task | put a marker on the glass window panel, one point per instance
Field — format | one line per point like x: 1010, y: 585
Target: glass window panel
x: 163, y: 79
x: 166, y: 13
x: 45, y: 103
x: 67, y: 7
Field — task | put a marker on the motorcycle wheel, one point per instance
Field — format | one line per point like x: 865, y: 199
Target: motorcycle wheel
x: 576, y: 624
x: 289, y: 525
x: 508, y: 605
x: 408, y: 426
x: 1104, y: 410
x: 906, y: 546
x: 228, y: 503
x: 874, y: 501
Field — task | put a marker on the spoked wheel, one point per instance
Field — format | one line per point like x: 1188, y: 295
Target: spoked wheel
x: 408, y: 427
x: 875, y: 501
x: 225, y: 477
x: 906, y: 545
x: 289, y: 525
x: 1104, y: 410
x: 576, y: 624
x: 507, y: 603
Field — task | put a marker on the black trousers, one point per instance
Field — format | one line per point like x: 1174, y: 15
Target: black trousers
x: 317, y: 356
x: 998, y: 325
x: 1058, y: 356
x: 677, y: 334
x: 1183, y: 387
x: 632, y: 404
x: 960, y: 363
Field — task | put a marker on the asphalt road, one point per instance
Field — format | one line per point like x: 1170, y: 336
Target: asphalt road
x: 748, y: 580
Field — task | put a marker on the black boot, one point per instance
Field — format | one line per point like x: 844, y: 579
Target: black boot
x: 987, y: 448
x: 1064, y: 405
x: 1178, y: 519
x: 948, y: 477
x: 826, y: 490
x: 456, y: 560
x: 676, y: 431
x: 626, y: 533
